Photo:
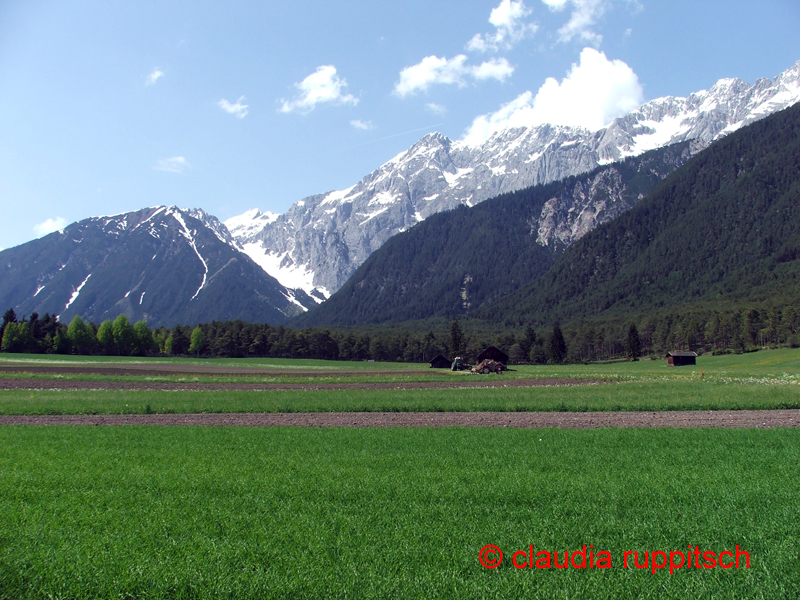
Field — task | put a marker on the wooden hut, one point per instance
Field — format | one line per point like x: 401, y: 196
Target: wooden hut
x: 494, y: 354
x: 681, y: 359
x: 440, y: 362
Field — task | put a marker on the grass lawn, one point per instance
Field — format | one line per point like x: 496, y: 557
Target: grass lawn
x: 290, y: 513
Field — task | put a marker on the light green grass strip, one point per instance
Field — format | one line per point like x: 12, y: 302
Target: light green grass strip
x: 635, y: 395
x: 293, y: 513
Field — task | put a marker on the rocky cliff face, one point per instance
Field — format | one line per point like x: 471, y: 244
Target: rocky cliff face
x: 457, y: 261
x: 321, y: 240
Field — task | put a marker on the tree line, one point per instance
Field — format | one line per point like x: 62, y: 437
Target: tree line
x: 712, y: 331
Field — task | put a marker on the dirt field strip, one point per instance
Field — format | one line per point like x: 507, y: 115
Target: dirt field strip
x: 589, y: 420
x: 463, y: 383
x: 189, y: 371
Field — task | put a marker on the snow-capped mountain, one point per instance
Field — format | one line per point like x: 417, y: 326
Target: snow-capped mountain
x: 163, y: 264
x: 249, y: 223
x: 320, y: 241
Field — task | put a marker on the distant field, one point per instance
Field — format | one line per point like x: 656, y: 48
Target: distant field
x: 669, y: 395
x: 289, y: 513
x: 767, y: 363
x: 763, y: 380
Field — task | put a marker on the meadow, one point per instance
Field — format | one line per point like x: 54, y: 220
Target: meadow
x: 231, y: 512
x: 289, y: 513
x: 762, y: 380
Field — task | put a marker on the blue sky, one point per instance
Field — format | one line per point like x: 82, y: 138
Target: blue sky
x: 109, y: 106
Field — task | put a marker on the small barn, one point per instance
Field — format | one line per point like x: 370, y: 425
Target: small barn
x: 681, y: 359
x: 493, y: 353
x: 440, y: 362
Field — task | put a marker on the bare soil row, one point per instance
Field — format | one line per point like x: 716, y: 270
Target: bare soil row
x: 524, y: 420
x: 200, y: 370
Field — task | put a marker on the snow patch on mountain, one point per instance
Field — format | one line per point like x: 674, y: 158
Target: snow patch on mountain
x: 249, y: 222
x: 288, y: 274
x: 75, y: 294
x: 189, y: 235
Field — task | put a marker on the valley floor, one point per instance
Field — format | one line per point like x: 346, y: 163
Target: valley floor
x: 397, y: 487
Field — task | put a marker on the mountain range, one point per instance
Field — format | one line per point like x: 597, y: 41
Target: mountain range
x: 170, y: 265
x: 321, y: 240
x: 456, y: 261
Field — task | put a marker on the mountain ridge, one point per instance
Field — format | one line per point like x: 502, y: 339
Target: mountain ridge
x: 458, y: 260
x: 163, y: 264
x: 321, y: 240
x: 722, y: 230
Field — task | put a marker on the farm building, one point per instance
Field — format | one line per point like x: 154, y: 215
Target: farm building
x: 440, y: 362
x: 494, y: 354
x: 681, y: 359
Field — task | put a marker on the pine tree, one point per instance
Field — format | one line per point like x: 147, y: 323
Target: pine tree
x: 633, y: 345
x: 456, y: 339
x: 557, y: 347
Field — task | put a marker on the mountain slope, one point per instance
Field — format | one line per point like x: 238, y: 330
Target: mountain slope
x: 725, y: 228
x: 458, y: 260
x: 162, y: 264
x: 321, y: 240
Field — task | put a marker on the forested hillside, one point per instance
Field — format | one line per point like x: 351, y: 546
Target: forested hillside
x: 721, y: 233
x: 456, y: 261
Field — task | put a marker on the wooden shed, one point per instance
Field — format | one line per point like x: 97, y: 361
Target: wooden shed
x: 440, y: 362
x: 681, y: 359
x: 494, y: 354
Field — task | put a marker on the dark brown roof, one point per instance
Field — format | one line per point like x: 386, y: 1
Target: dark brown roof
x: 440, y: 362
x: 494, y: 354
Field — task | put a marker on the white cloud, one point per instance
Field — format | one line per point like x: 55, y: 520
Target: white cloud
x: 497, y: 68
x: 49, y: 226
x: 239, y: 110
x: 436, y: 109
x: 584, y: 15
x: 359, y: 124
x: 434, y: 70
x: 176, y: 164
x: 594, y: 93
x: 323, y: 85
x: 510, y: 28
x: 154, y: 76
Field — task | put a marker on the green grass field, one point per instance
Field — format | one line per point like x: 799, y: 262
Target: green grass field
x: 634, y: 395
x: 757, y: 365
x: 763, y: 380
x: 227, y: 512
x: 294, y: 513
